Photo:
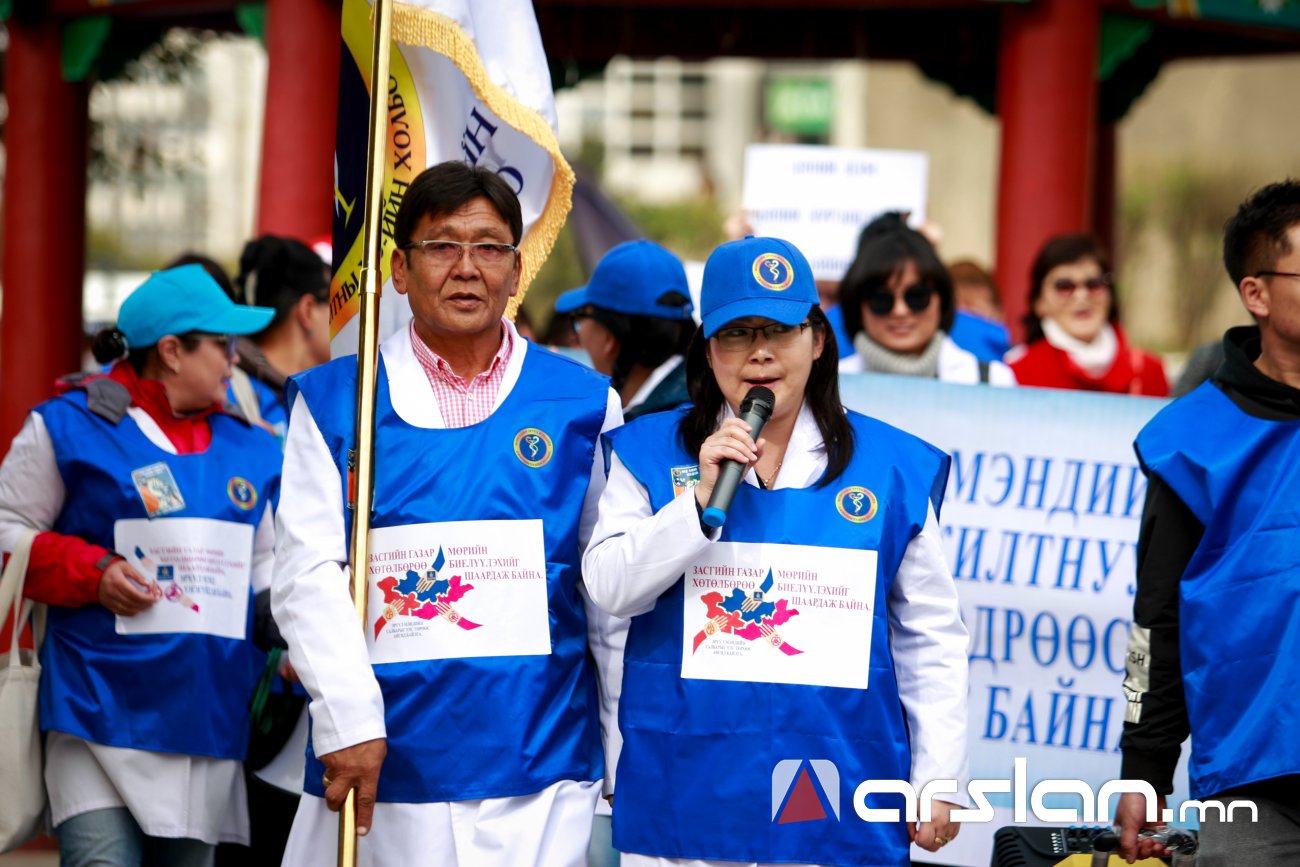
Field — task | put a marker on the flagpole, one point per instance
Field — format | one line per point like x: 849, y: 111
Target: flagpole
x: 362, y: 459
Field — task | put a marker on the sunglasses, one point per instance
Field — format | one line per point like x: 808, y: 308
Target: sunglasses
x: 1066, y: 286
x: 916, y: 297
x: 227, y: 342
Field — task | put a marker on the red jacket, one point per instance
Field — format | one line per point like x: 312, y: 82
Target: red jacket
x: 62, y: 569
x: 1133, y: 372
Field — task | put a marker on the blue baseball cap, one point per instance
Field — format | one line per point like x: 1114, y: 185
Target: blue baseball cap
x: 181, y: 300
x: 632, y: 278
x: 764, y: 277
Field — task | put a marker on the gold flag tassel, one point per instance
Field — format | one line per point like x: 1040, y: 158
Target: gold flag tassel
x: 368, y: 360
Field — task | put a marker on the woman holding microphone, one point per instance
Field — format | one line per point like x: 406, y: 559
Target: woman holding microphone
x: 151, y: 508
x: 810, y: 643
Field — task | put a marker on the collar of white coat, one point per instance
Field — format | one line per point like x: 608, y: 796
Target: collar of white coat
x: 658, y: 375
x: 409, y: 388
x: 805, y: 454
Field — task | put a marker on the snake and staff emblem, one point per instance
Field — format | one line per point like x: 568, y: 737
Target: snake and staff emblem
x: 856, y: 504
x: 426, y: 596
x: 773, y: 272
x: 533, y: 447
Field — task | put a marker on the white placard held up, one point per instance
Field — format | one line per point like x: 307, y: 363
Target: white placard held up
x: 779, y: 614
x: 458, y: 589
x: 819, y: 198
x: 199, y: 570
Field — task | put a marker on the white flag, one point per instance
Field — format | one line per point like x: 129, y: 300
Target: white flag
x: 468, y: 81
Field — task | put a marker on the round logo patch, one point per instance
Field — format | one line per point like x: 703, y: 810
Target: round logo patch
x: 241, y: 492
x: 533, y: 447
x: 856, y: 504
x: 773, y: 272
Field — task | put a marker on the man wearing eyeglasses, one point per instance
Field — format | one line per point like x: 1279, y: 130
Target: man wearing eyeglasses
x: 465, y: 716
x: 1216, y: 631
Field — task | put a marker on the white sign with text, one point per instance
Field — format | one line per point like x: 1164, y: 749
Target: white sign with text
x: 198, y: 570
x: 769, y: 613
x: 819, y: 198
x: 458, y: 589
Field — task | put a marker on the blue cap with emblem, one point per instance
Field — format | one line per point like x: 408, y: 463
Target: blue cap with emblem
x: 638, y: 278
x: 182, y: 300
x: 764, y: 277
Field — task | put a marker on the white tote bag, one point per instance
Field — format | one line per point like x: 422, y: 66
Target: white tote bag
x: 22, y: 806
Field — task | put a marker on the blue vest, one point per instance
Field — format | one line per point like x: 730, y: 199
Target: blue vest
x: 174, y: 692
x: 698, y: 776
x: 1239, y: 598
x: 483, y: 727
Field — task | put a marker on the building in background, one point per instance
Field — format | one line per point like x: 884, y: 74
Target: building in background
x: 177, y: 155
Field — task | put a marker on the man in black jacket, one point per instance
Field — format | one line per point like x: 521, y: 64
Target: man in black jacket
x: 1217, y: 610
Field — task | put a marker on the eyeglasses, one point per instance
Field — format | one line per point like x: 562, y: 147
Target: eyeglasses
x: 1066, y: 286
x: 1278, y: 274
x: 450, y: 252
x: 738, y: 338
x: 916, y: 297
x: 577, y: 320
x: 228, y: 342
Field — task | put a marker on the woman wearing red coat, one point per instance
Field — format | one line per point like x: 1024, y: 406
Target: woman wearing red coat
x: 1072, y: 329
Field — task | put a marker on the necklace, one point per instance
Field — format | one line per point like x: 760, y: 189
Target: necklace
x: 767, y: 483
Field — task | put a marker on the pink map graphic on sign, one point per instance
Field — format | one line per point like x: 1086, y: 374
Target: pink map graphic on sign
x: 748, y: 616
x: 424, y: 596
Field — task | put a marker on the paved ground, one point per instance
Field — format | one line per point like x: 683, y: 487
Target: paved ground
x: 30, y: 859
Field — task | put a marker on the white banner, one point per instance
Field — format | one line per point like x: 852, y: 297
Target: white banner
x: 1040, y: 525
x: 819, y: 198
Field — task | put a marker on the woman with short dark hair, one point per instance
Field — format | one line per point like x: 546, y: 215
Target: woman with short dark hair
x: 1072, y: 334
x: 898, y: 305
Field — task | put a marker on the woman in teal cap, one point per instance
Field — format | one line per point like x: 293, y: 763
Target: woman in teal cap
x: 150, y: 507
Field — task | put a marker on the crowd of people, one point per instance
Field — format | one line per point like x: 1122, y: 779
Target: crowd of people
x: 561, y: 626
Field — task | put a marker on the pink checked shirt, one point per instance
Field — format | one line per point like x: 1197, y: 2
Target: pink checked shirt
x: 463, y: 403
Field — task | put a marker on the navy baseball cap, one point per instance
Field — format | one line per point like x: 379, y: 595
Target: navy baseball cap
x: 764, y: 277
x: 181, y: 300
x: 632, y: 278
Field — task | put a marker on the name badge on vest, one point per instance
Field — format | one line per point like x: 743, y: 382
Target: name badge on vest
x: 198, y: 571
x: 685, y: 478
x: 458, y: 589
x: 158, y: 489
x: 769, y: 613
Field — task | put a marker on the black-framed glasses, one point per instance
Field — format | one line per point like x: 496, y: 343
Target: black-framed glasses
x: 1278, y: 274
x: 1066, y: 286
x: 916, y: 297
x: 449, y: 252
x: 738, y: 338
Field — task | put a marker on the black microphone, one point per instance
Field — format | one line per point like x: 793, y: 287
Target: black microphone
x: 755, y: 410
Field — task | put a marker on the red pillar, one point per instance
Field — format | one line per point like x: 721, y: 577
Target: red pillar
x: 296, y: 193
x: 44, y: 220
x: 1047, y: 100
x: 1106, y: 190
